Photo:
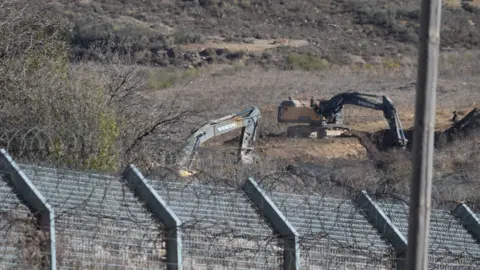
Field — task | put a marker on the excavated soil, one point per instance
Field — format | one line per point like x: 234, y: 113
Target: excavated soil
x: 308, y: 149
x: 360, y: 143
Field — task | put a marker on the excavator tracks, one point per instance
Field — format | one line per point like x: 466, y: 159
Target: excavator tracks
x: 319, y: 132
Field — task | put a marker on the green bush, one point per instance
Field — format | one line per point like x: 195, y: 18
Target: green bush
x: 52, y: 112
x: 305, y: 62
x: 183, y: 36
x: 243, y: 3
x: 161, y: 78
x: 107, y: 157
x: 391, y: 63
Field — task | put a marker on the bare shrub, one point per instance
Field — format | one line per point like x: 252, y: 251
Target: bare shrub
x: 46, y: 106
x: 81, y: 115
x: 23, y: 242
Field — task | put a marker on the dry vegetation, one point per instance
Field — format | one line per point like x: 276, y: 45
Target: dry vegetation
x: 97, y: 85
x: 108, y: 111
x: 458, y: 90
x: 82, y: 115
x: 105, y: 114
x: 164, y: 33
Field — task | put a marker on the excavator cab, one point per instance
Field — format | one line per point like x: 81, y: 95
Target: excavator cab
x: 315, y: 123
x: 295, y: 112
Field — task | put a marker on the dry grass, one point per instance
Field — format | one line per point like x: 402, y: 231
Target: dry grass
x: 222, y: 94
x: 226, y: 94
x: 253, y: 86
x: 458, y: 90
x: 266, y: 88
x: 442, y: 119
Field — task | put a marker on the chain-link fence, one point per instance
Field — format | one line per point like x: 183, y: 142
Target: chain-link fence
x: 100, y: 224
x: 107, y: 222
x: 20, y: 239
x: 451, y: 246
x: 220, y: 228
x: 334, y: 234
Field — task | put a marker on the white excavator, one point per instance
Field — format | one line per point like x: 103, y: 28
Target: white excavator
x: 247, y: 120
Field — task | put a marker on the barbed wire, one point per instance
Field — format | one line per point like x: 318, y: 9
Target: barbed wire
x: 38, y: 144
x: 21, y: 239
x: 450, y: 247
x: 100, y: 223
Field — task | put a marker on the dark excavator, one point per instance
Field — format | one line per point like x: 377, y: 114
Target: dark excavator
x: 325, y: 116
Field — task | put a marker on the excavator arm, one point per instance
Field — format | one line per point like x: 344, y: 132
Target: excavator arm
x: 331, y: 110
x: 247, y: 120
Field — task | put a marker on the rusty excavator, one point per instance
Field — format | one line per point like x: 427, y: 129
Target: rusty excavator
x: 325, y: 117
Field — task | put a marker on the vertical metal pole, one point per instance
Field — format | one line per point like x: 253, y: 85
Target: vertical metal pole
x: 422, y: 167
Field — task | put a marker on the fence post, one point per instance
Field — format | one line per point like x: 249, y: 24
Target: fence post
x: 469, y: 220
x: 384, y: 225
x: 423, y: 140
x: 140, y: 187
x: 33, y: 199
x: 269, y: 211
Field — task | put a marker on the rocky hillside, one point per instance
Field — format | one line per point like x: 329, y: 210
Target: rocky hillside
x: 169, y: 32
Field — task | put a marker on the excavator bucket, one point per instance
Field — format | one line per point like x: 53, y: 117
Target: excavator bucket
x: 186, y: 173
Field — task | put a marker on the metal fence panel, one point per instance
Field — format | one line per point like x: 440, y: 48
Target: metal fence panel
x: 451, y: 246
x: 100, y: 223
x: 334, y: 234
x: 221, y: 229
x: 20, y: 240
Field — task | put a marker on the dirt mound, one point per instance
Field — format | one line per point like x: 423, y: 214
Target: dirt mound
x: 306, y: 149
x: 446, y: 132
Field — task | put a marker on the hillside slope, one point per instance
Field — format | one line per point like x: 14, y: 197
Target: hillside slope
x: 121, y: 112
x: 333, y: 30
